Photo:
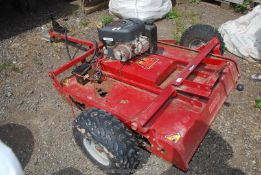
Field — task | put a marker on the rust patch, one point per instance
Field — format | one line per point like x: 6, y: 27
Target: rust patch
x: 82, y: 130
x: 66, y: 82
x: 124, y: 101
x: 147, y: 63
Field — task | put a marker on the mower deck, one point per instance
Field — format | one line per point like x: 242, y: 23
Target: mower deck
x: 161, y: 96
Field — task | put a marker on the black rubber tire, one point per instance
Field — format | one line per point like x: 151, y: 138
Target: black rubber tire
x: 101, y: 127
x: 201, y: 32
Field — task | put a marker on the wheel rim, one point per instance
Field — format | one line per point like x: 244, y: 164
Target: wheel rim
x: 196, y: 43
x: 97, y: 151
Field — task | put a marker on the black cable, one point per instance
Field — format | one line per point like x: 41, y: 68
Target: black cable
x: 66, y: 44
x: 92, y: 60
x: 76, y: 51
x: 95, y: 52
x: 68, y: 51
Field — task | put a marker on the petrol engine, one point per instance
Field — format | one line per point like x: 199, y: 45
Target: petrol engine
x: 127, y: 38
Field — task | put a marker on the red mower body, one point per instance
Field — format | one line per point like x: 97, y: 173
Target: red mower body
x: 170, y: 97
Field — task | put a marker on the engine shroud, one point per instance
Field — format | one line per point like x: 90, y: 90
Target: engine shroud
x: 122, y: 31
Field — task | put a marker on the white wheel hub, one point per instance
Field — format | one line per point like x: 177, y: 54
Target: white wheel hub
x: 196, y: 43
x: 97, y: 151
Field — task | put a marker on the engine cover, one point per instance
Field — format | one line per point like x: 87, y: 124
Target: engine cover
x: 122, y: 31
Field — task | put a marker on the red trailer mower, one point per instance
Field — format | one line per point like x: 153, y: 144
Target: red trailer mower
x: 137, y: 92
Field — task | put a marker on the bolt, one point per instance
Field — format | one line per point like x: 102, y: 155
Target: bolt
x: 134, y: 126
x: 227, y: 104
x: 240, y: 87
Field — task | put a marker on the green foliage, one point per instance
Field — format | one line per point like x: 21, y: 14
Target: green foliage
x: 9, y: 66
x: 242, y: 8
x: 38, y: 61
x: 173, y: 14
x: 180, y: 28
x: 192, y: 17
x: 258, y: 102
x: 106, y: 20
x: 176, y: 15
x: 195, y: 1
x: 181, y: 19
x: 84, y: 23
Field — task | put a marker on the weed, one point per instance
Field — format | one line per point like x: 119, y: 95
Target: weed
x: 193, y: 17
x: 242, y: 8
x: 258, y: 102
x: 195, y: 1
x: 181, y: 19
x: 106, y: 20
x: 176, y: 15
x: 84, y: 23
x: 38, y: 61
x: 173, y: 14
x: 9, y: 66
x: 180, y: 28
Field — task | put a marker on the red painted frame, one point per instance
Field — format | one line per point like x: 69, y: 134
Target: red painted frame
x: 173, y: 116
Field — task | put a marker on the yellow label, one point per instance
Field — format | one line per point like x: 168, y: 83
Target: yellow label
x: 173, y: 137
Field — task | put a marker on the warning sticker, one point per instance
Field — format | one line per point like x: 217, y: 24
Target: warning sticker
x: 173, y: 137
x: 147, y: 63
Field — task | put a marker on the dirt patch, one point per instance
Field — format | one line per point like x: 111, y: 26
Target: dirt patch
x: 28, y: 98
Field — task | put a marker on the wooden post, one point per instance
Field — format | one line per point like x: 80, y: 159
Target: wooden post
x: 100, y: 6
x: 225, y: 5
x: 91, y: 9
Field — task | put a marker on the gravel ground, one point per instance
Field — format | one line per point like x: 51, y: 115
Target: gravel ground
x: 36, y: 123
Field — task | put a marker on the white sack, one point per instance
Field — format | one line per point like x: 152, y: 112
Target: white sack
x: 243, y: 35
x: 141, y: 9
x: 9, y: 164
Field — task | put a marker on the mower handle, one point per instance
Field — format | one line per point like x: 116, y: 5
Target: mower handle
x: 74, y: 60
x: 81, y: 58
